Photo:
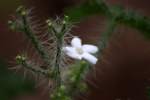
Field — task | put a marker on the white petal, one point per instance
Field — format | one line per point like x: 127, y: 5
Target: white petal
x: 74, y: 55
x: 90, y: 58
x: 70, y: 51
x: 76, y: 42
x: 90, y: 48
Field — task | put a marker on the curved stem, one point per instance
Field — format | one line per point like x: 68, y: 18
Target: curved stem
x: 104, y: 38
x: 129, y: 18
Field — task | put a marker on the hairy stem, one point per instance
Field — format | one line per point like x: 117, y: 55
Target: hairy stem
x: 83, y: 67
x: 58, y: 62
x: 39, y: 47
x: 36, y: 70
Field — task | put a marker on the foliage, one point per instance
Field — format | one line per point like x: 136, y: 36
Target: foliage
x: 127, y: 17
x: 11, y: 84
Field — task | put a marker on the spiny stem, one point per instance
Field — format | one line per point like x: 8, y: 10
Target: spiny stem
x: 83, y: 66
x: 36, y: 70
x: 39, y: 47
x: 58, y: 61
x: 21, y: 60
x: 59, y: 36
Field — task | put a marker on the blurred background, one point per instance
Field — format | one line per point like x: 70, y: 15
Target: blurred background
x: 123, y: 74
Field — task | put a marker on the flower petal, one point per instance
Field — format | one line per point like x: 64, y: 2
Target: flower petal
x: 90, y: 48
x: 90, y: 58
x: 76, y: 42
x: 74, y: 55
x: 70, y: 51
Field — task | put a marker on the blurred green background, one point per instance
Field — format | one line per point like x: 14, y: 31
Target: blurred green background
x: 11, y: 84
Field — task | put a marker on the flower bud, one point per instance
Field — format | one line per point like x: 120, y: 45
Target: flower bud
x: 49, y: 23
x: 21, y: 11
x: 20, y: 59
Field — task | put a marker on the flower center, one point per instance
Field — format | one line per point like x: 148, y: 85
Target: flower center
x: 79, y: 51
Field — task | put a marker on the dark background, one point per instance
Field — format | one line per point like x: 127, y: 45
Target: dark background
x: 124, y: 71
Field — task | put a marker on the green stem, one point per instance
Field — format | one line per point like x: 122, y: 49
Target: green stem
x: 36, y: 70
x: 39, y: 47
x: 104, y: 38
x: 83, y: 66
x: 58, y: 61
x: 129, y: 18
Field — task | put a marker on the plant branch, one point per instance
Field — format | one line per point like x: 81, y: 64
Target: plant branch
x: 21, y: 60
x: 58, y: 62
x: 129, y: 18
x: 104, y: 38
x: 39, y: 47
x: 77, y: 75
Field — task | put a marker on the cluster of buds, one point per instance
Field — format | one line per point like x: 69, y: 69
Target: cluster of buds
x: 20, y: 59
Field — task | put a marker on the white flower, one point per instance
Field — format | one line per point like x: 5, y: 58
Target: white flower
x: 79, y: 51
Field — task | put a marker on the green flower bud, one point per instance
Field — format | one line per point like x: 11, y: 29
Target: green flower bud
x: 20, y: 59
x: 12, y: 25
x: 66, y: 18
x: 64, y: 22
x: 49, y: 23
x: 21, y: 11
